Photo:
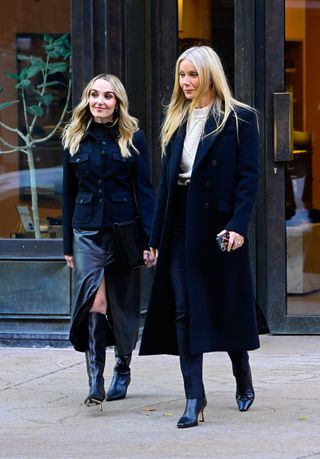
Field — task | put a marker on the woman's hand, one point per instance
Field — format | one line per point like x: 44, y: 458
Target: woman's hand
x: 69, y: 260
x: 149, y: 258
x: 235, y: 240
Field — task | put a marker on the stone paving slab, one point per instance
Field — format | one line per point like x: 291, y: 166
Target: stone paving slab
x: 42, y: 415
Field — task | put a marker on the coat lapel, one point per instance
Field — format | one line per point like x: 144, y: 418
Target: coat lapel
x: 206, y: 143
x: 176, y: 152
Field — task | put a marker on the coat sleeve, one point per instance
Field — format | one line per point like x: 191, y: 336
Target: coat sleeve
x: 247, y: 171
x: 143, y: 185
x: 160, y: 207
x: 69, y: 190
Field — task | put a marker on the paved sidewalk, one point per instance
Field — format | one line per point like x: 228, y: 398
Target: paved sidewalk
x: 42, y: 415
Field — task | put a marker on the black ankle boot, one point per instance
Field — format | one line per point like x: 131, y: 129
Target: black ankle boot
x: 242, y: 373
x: 96, y: 357
x: 193, y: 410
x: 121, y: 377
x: 245, y: 391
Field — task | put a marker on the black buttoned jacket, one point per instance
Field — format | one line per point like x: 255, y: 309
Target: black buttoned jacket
x: 100, y: 187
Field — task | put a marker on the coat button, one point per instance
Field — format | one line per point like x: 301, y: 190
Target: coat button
x: 100, y: 180
x: 100, y: 190
x: 207, y: 185
x: 81, y: 201
x: 214, y: 162
x: 206, y: 205
x: 104, y: 142
x: 102, y: 152
x: 100, y: 200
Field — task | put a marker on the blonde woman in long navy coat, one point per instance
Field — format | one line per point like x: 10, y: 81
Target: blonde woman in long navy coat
x: 202, y: 299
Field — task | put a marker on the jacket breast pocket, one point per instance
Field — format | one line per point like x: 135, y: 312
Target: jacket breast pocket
x: 83, y: 208
x: 117, y: 157
x: 80, y: 164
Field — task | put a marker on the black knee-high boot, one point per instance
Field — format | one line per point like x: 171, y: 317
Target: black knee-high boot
x: 96, y: 357
x: 242, y: 373
x: 121, y: 377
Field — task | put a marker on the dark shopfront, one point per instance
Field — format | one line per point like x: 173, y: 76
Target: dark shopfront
x: 269, y: 49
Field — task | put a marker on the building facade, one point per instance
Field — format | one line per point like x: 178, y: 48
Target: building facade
x: 269, y: 50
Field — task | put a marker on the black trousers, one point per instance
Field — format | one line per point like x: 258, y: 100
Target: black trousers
x: 191, y: 364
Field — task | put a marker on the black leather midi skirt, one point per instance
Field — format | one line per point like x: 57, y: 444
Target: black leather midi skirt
x: 96, y: 256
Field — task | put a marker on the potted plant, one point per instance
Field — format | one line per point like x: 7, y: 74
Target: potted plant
x: 35, y: 90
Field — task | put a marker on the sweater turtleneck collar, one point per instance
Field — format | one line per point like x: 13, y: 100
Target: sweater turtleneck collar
x: 103, y: 129
x: 200, y: 113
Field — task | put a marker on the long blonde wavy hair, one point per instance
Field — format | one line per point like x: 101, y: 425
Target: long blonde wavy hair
x: 211, y: 75
x: 82, y: 117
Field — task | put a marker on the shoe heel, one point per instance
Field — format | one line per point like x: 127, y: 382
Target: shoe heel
x: 93, y: 402
x: 201, y: 416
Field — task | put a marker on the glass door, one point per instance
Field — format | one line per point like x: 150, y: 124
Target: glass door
x: 302, y: 174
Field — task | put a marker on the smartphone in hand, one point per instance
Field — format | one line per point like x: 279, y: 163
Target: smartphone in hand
x: 222, y: 241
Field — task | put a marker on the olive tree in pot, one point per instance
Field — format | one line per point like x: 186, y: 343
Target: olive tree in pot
x: 34, y: 84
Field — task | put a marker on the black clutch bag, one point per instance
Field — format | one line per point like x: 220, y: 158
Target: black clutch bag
x: 130, y: 240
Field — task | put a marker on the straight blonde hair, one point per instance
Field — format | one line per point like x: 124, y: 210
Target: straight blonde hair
x: 211, y: 75
x: 82, y: 117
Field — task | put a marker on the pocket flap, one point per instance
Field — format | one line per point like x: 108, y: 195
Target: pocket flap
x: 117, y: 157
x: 225, y: 207
x: 77, y: 159
x: 121, y: 197
x: 84, y: 198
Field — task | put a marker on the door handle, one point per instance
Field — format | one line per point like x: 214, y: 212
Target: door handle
x: 282, y: 127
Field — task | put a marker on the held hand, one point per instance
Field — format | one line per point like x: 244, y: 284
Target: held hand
x: 149, y: 259
x: 235, y: 240
x: 69, y: 260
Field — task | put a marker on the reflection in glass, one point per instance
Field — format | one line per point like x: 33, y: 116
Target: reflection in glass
x: 302, y: 74
x: 210, y: 23
x: 37, y: 18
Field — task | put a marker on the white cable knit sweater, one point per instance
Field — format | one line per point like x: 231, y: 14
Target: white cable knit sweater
x: 194, y: 132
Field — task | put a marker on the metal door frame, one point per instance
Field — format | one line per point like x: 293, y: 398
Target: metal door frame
x: 271, y: 275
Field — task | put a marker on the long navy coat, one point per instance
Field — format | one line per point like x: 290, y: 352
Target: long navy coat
x: 221, y: 195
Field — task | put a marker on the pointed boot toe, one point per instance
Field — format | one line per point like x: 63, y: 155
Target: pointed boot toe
x: 244, y: 401
x: 118, y: 387
x: 192, y: 413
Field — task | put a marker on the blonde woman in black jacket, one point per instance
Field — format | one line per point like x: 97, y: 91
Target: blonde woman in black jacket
x: 106, y: 179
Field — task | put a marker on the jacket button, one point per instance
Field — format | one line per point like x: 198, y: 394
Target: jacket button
x: 100, y: 190
x: 104, y: 142
x: 77, y: 160
x: 100, y: 180
x: 214, y: 162
x: 207, y: 185
x: 81, y: 201
x: 206, y: 205
x: 100, y: 200
x: 102, y: 152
